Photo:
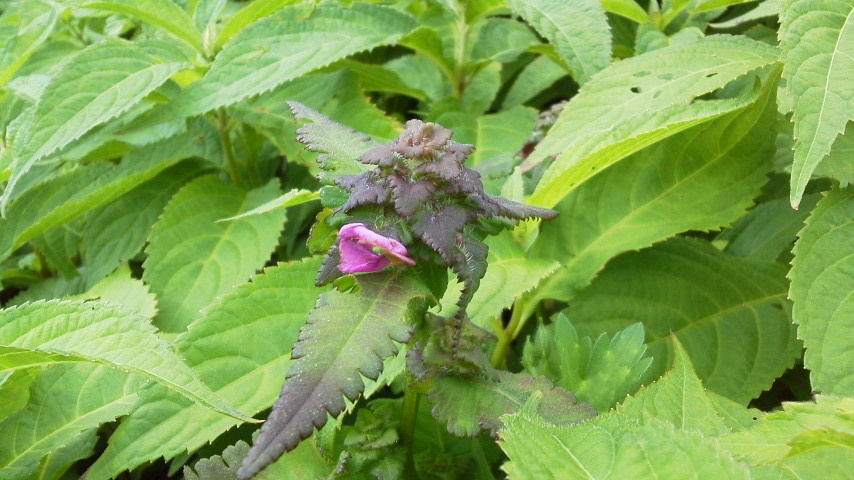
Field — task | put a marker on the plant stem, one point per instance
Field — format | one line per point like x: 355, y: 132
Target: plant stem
x: 517, y: 321
x: 228, y: 149
x: 407, y: 430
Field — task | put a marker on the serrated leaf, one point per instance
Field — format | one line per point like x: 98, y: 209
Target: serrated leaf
x: 600, y: 372
x: 678, y: 397
x: 821, y: 292
x: 644, y: 97
x: 120, y: 288
x: 69, y: 195
x: 502, y: 40
x: 66, y: 401
x: 285, y: 45
x: 577, y: 28
x: 55, y: 464
x: 817, y: 45
x: 264, y: 315
x: 117, y: 231
x: 378, y: 78
x: 537, y: 76
x: 15, y: 389
x: 839, y: 164
x: 768, y: 230
x: 20, y: 40
x: 250, y: 13
x: 192, y: 259
x: 627, y: 9
x: 609, y: 447
x: 291, y: 198
x: 163, y: 14
x: 62, y: 331
x: 655, y: 194
x: 92, y: 87
x: 346, y: 336
x: 730, y: 313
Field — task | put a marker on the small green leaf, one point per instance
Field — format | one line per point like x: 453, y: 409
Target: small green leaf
x: 577, y: 28
x: 602, y: 372
x: 768, y: 230
x: 163, y: 14
x: 816, y: 43
x: 192, y: 259
x: 627, y: 9
x: 15, y: 389
x: 821, y: 292
x: 537, y: 76
x: 290, y: 199
x: 62, y: 331
x: 247, y: 15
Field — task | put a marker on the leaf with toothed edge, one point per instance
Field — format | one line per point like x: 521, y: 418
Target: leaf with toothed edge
x: 346, y: 337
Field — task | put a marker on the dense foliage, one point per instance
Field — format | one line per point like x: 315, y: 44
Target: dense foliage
x: 473, y: 239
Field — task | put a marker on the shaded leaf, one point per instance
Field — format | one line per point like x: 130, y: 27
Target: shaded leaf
x: 163, y: 14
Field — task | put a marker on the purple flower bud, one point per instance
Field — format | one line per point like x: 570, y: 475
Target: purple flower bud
x: 363, y: 250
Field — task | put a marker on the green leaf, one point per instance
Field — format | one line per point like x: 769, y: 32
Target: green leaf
x: 54, y: 465
x: 768, y: 230
x: 120, y: 288
x: 610, y: 447
x: 730, y: 313
x: 192, y: 259
x: 15, y: 389
x: 709, y: 5
x: 163, y: 14
x: 346, y: 336
x: 537, y: 76
x: 678, y: 397
x: 240, y: 347
x: 378, y: 78
x: 815, y: 41
x: 655, y: 194
x: 69, y: 195
x: 293, y: 197
x: 601, y: 372
x: 117, y: 231
x: 627, y: 9
x: 500, y: 137
x: 61, y: 331
x: 638, y: 101
x: 283, y: 46
x: 839, y: 164
x: 502, y: 40
x: 577, y: 28
x: 35, y: 21
x: 809, y: 440
x: 66, y: 401
x: 247, y: 15
x: 821, y: 292
x: 92, y: 87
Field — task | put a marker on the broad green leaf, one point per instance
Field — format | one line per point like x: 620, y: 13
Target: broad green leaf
x: 821, y: 292
x: 90, y: 88
x: 655, y: 194
x: 23, y: 29
x: 377, y: 78
x: 59, y: 247
x: 289, y: 199
x: 283, y: 46
x: 626, y: 8
x: 809, y: 440
x: 117, y: 231
x: 601, y: 371
x: 305, y: 461
x: 500, y: 137
x: 768, y: 230
x: 638, y: 101
x: 730, y: 313
x: 767, y: 8
x: 610, y: 447
x: 346, y: 336
x: 247, y: 15
x: 192, y: 259
x: 577, y: 28
x: 839, y: 164
x: 502, y: 40
x: 69, y: 195
x: 62, y: 331
x: 66, y: 401
x: 537, y: 76
x: 120, y: 288
x: 678, y: 397
x: 54, y: 465
x: 240, y: 347
x: 163, y: 14
x: 15, y: 389
x: 817, y: 44
x: 735, y: 416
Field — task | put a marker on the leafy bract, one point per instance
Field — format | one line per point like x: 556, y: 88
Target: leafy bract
x: 285, y: 45
x: 655, y: 193
x: 609, y: 447
x: 816, y: 42
x: 601, y: 371
x: 731, y: 313
x: 821, y: 292
x: 62, y: 331
x: 163, y: 14
x: 577, y: 28
x: 239, y: 347
x: 638, y: 101
x: 346, y: 336
x: 192, y: 259
x: 65, y: 401
x: 99, y: 83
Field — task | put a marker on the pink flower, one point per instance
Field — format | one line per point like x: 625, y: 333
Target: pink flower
x: 363, y: 250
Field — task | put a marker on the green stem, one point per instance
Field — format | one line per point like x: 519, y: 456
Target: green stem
x: 407, y: 431
x: 460, y: 51
x: 228, y: 149
x: 517, y: 321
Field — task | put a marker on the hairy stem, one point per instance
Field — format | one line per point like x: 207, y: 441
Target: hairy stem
x: 517, y: 321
